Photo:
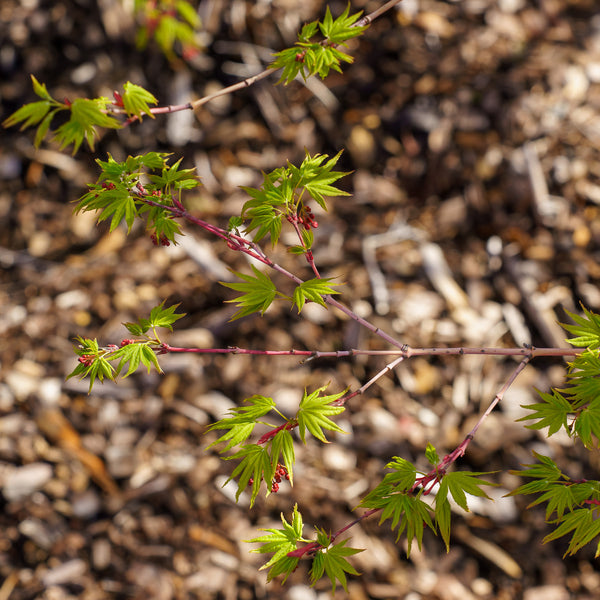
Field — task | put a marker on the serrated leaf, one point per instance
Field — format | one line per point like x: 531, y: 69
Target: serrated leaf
x: 96, y: 365
x: 86, y: 115
x: 587, y: 330
x: 552, y: 412
x: 317, y: 178
x: 407, y: 512
x: 311, y: 58
x: 40, y: 89
x: 314, y: 412
x: 164, y: 317
x: 242, y: 421
x: 282, y: 451
x: 30, y: 114
x: 136, y: 100
x: 582, y: 523
x: 172, y: 176
x: 401, y: 479
x: 461, y: 483
x: 313, y: 290
x: 341, y: 29
x: 546, y: 470
x: 587, y: 424
x: 443, y: 515
x: 332, y: 561
x: 431, y: 455
x: 280, y: 542
x: 255, y: 463
x: 258, y: 293
x: 133, y: 354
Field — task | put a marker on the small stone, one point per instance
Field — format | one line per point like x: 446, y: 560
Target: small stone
x: 101, y: 554
x: 86, y: 505
x: 361, y: 145
x: 337, y: 458
x: 576, y: 83
x: 49, y: 390
x: 592, y: 70
x: 547, y: 592
x: 65, y: 573
x: 23, y: 481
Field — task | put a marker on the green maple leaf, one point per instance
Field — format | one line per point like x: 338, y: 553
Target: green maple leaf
x: 407, y: 512
x: 164, y: 317
x: 317, y: 178
x: 313, y: 290
x: 258, y: 293
x: 331, y: 560
x: 314, y: 412
x: 240, y: 424
x: 587, y: 330
x: 401, y: 479
x: 583, y: 524
x: 255, y: 463
x: 318, y: 58
x: 267, y: 205
x: 96, y: 365
x: 42, y: 112
x: 341, y: 29
x: 86, y: 115
x: 136, y: 100
x: 552, y: 412
x: 282, y: 451
x: 172, y: 177
x: 587, y: 424
x: 458, y: 484
x: 280, y: 542
x: 134, y: 354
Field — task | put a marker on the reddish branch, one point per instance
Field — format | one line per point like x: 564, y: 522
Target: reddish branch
x: 434, y: 476
x: 366, y: 20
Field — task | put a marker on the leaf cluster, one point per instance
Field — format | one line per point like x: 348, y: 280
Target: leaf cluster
x: 285, y: 192
x: 330, y: 559
x: 258, y: 461
x: 119, y: 195
x: 572, y: 506
x: 576, y: 407
x: 311, y: 57
x: 169, y: 23
x: 400, y: 497
x: 95, y: 361
x: 258, y: 292
x: 86, y: 115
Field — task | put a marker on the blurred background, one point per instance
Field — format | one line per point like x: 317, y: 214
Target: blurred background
x: 471, y: 130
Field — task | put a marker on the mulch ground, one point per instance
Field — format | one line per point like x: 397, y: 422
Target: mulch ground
x: 472, y: 132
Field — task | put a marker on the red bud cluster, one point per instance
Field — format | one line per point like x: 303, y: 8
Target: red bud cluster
x: 162, y: 240
x: 86, y: 359
x: 280, y: 473
x: 307, y: 218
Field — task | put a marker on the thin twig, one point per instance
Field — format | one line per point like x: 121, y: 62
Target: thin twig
x: 433, y: 476
x: 366, y: 20
x: 407, y: 353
